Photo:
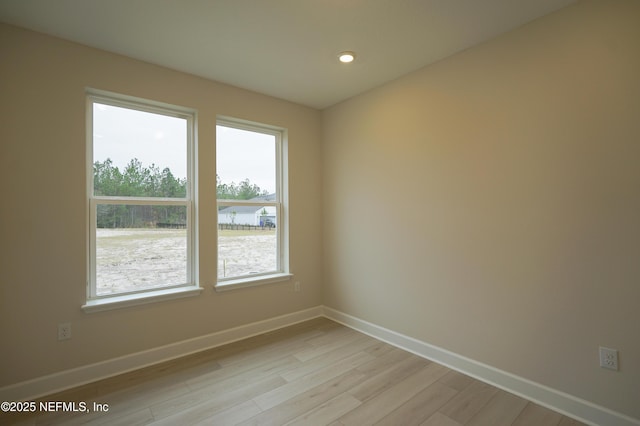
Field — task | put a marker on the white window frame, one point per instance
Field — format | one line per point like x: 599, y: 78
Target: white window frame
x: 282, y: 272
x: 97, y: 302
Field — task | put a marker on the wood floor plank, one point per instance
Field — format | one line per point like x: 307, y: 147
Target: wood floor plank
x: 132, y: 417
x: 139, y: 417
x: 456, y: 380
x: 238, y: 373
x: 468, y: 402
x: 331, y: 336
x: 327, y: 412
x: 420, y: 407
x: 566, y: 421
x: 303, y: 384
x: 181, y: 403
x: 388, y: 377
x: 233, y: 415
x: 328, y: 343
x: 393, y: 397
x: 439, y: 419
x: 358, y: 344
x: 535, y: 415
x: 222, y: 401
x: 501, y: 410
x: 306, y: 401
x: 380, y: 348
x: 261, y: 349
x: 141, y: 396
x: 386, y: 361
x: 221, y: 384
x: 262, y: 345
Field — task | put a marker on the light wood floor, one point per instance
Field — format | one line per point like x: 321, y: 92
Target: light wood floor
x: 314, y: 373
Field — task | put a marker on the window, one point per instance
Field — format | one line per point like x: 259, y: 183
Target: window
x: 251, y: 193
x: 140, y: 192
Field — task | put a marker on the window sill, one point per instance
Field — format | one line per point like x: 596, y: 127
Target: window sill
x: 127, y: 300
x: 251, y: 282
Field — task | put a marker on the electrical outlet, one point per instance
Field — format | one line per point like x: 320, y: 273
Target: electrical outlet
x: 64, y: 331
x: 296, y: 286
x: 609, y: 358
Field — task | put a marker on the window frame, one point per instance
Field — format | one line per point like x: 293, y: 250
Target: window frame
x: 282, y: 272
x: 94, y: 301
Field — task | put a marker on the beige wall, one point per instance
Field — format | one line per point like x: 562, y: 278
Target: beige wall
x: 487, y: 204
x: 490, y: 204
x: 43, y: 222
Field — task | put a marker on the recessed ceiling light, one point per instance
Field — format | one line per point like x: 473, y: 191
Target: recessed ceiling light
x: 346, y: 57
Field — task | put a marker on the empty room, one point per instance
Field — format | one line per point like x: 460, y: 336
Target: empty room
x: 320, y: 212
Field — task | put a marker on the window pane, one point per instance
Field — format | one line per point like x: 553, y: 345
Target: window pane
x: 138, y: 153
x: 245, y: 163
x: 140, y: 247
x: 247, y: 241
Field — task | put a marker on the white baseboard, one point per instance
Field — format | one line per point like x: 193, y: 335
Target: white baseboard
x: 52, y: 383
x: 561, y: 402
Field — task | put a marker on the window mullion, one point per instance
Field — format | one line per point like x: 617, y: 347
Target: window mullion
x: 141, y: 201
x: 238, y: 203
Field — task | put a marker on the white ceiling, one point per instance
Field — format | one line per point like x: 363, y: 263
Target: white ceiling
x: 283, y: 48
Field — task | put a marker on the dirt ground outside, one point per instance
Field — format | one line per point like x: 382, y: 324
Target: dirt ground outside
x: 246, y: 252
x: 140, y: 259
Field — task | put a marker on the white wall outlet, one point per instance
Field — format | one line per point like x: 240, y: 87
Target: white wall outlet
x: 609, y: 358
x: 64, y: 331
x: 296, y: 286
